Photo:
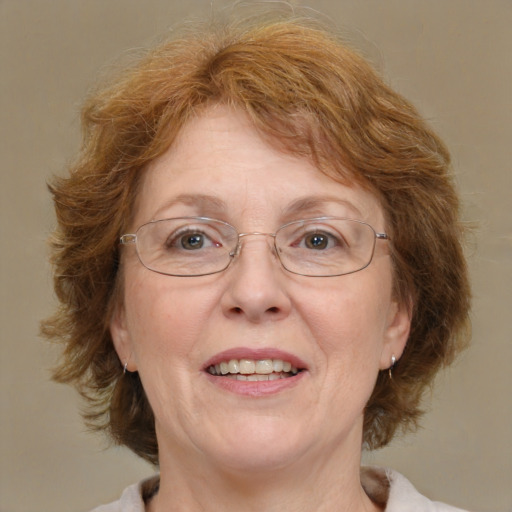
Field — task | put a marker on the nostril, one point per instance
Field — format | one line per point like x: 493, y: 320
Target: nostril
x: 273, y: 310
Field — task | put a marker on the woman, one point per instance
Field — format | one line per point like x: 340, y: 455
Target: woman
x: 260, y: 270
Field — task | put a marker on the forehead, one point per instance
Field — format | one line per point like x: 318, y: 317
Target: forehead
x: 219, y: 164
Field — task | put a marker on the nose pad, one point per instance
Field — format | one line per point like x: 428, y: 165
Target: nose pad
x: 237, y: 250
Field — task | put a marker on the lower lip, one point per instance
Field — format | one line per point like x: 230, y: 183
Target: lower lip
x: 256, y: 388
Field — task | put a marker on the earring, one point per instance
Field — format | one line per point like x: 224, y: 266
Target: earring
x: 125, y: 366
x: 390, y: 369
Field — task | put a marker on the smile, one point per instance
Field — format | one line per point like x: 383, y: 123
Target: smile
x: 253, y: 370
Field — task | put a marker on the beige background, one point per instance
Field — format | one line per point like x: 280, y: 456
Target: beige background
x: 451, y: 57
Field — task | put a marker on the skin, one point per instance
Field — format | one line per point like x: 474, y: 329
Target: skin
x: 296, y: 449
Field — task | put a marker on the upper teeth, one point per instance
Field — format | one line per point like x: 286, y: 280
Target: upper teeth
x: 251, y: 366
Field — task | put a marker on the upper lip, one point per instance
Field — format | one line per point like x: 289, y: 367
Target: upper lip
x: 256, y: 355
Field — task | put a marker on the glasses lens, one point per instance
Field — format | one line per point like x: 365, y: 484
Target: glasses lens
x: 325, y: 246
x: 189, y: 246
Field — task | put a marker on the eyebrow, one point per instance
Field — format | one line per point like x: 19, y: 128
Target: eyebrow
x: 203, y: 202
x: 313, y: 204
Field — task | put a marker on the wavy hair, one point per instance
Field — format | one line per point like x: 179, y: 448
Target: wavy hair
x: 308, y: 94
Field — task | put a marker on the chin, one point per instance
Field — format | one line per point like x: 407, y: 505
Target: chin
x: 259, y: 445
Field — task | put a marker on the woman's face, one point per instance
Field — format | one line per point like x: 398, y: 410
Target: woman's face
x: 339, y: 330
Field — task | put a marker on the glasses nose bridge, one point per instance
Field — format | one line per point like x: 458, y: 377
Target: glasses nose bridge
x: 241, y: 236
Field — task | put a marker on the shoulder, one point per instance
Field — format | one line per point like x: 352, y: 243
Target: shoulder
x: 132, y: 498
x: 401, y: 494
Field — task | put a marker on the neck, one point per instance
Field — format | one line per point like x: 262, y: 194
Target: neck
x: 325, y: 484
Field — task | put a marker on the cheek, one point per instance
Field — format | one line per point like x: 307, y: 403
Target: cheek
x: 348, y: 320
x: 165, y: 319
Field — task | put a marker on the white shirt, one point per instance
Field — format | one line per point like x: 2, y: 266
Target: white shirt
x: 382, y: 485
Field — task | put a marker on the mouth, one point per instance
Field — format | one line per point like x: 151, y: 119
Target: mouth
x: 254, y: 370
x: 250, y: 372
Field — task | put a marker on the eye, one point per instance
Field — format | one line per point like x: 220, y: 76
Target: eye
x: 316, y: 241
x: 191, y: 239
x: 192, y: 242
x: 319, y: 240
x: 315, y: 237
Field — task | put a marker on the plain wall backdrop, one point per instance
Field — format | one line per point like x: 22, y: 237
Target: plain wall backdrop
x: 452, y: 58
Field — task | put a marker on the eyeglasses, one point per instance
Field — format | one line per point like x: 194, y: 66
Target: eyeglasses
x: 198, y: 246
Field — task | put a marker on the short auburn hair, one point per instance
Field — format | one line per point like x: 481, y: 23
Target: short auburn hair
x: 311, y: 96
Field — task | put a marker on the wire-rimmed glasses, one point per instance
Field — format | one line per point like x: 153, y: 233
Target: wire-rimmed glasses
x: 198, y: 246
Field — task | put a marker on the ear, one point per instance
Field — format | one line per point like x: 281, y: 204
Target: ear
x: 122, y: 339
x: 397, y: 332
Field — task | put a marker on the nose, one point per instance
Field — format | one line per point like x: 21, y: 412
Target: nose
x: 256, y: 287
